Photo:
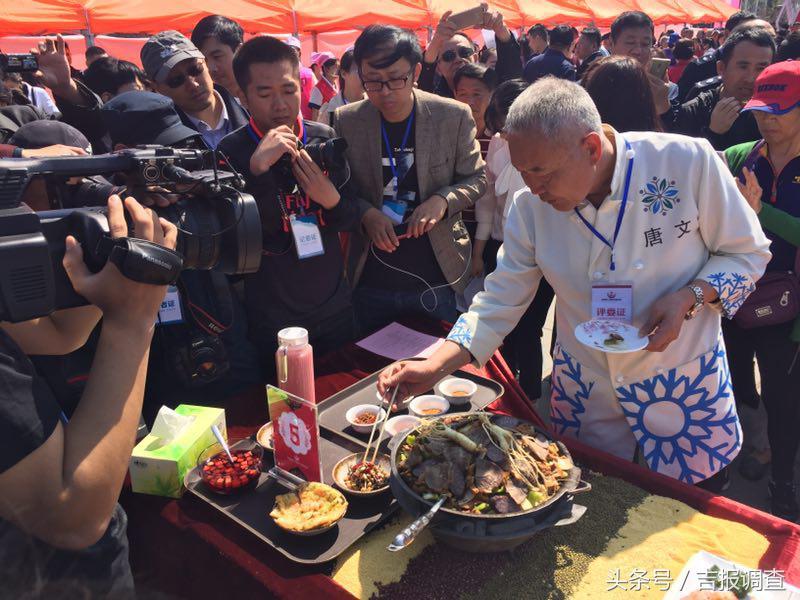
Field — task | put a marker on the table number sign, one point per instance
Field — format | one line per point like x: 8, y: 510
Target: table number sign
x: 295, y: 434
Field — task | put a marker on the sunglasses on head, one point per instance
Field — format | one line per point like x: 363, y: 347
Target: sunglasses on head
x: 463, y: 52
x: 177, y: 81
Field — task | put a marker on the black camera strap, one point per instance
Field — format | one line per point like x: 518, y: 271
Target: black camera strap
x: 142, y: 261
x: 202, y: 318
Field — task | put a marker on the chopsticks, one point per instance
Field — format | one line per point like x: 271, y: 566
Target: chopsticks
x: 383, y: 428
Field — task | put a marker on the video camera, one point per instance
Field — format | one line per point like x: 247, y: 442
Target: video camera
x: 18, y: 63
x: 218, y: 226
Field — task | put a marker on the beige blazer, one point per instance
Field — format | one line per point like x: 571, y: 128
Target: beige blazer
x: 448, y: 162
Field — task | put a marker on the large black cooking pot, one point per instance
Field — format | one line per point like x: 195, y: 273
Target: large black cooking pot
x: 493, y: 532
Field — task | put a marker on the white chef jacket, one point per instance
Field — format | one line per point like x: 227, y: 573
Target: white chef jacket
x: 685, y: 219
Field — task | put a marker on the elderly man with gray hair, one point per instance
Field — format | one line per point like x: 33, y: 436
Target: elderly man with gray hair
x: 646, y: 241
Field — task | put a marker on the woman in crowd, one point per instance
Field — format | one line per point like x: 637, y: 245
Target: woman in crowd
x: 683, y: 54
x: 503, y: 181
x: 325, y: 89
x: 622, y: 93
x: 770, y: 169
x: 473, y: 85
x: 349, y: 89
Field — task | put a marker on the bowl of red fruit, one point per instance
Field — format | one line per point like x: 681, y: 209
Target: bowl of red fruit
x: 225, y: 477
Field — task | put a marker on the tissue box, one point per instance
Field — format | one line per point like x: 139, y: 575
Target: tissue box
x: 158, y: 466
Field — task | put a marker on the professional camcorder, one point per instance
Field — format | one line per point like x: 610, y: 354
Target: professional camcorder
x: 218, y: 226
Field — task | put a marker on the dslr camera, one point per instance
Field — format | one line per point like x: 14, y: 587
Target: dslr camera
x: 328, y: 155
x: 218, y: 226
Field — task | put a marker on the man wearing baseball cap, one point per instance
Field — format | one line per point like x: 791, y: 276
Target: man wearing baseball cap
x: 179, y: 71
x: 769, y: 174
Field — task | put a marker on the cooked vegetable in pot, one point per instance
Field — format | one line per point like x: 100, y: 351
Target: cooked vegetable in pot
x: 482, y: 464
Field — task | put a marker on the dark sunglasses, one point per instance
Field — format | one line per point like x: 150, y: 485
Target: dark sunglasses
x: 194, y: 71
x: 463, y: 52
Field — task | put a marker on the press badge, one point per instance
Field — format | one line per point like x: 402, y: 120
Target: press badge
x: 395, y: 210
x: 307, y: 236
x: 170, y: 311
x: 612, y: 301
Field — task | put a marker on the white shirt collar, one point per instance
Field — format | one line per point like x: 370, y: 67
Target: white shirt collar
x: 223, y: 117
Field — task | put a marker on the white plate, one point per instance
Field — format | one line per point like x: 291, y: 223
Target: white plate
x: 594, y: 333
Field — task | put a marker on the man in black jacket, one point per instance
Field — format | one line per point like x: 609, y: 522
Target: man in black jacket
x: 705, y: 67
x: 715, y: 114
x: 587, y: 50
x: 554, y: 60
x: 301, y: 279
x: 450, y: 49
x: 179, y: 71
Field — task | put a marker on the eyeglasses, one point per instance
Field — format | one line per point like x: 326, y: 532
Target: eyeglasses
x: 463, y: 52
x: 376, y: 85
x: 193, y: 71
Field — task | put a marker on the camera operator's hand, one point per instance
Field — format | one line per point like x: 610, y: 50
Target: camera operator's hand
x: 158, y: 196
x: 426, y: 215
x: 314, y: 182
x: 124, y: 302
x: 276, y: 143
x: 380, y: 230
x: 54, y: 150
x: 54, y: 66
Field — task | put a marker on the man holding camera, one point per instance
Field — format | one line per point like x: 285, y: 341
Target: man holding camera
x: 60, y: 526
x: 451, y: 48
x: 303, y: 207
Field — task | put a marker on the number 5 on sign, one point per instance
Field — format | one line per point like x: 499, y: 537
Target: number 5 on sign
x: 296, y: 434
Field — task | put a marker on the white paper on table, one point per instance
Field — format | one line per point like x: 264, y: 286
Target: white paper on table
x: 396, y: 341
x: 690, y: 579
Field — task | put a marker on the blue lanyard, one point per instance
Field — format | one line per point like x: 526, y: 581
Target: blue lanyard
x: 594, y: 231
x: 392, y: 163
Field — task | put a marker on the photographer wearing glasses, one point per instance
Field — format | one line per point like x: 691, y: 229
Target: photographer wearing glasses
x: 416, y: 165
x: 179, y: 71
x: 61, y: 529
x: 450, y: 49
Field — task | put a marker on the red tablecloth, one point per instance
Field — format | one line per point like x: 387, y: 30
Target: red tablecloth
x: 188, y: 549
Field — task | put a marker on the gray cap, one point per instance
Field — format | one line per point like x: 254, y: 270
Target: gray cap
x: 165, y: 50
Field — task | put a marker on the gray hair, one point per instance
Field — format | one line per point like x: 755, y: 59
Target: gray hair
x: 553, y: 107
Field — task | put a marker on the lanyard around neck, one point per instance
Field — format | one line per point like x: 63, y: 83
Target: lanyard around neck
x: 392, y: 163
x: 258, y: 135
x: 621, y: 214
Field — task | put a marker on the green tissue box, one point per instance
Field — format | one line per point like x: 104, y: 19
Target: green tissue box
x: 158, y: 466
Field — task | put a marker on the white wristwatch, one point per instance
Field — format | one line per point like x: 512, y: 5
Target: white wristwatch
x: 699, y: 301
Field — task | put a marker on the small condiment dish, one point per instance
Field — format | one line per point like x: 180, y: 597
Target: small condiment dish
x: 401, y: 423
x: 428, y: 406
x: 352, y: 415
x: 458, y: 391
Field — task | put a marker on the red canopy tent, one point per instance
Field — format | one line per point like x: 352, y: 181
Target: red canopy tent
x: 34, y: 17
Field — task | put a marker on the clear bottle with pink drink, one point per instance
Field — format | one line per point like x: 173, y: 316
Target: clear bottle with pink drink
x: 294, y: 360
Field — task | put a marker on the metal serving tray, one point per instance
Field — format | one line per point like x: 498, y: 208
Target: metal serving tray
x: 251, y: 509
x: 332, y: 410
